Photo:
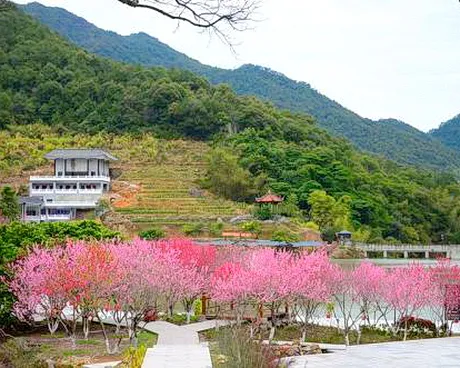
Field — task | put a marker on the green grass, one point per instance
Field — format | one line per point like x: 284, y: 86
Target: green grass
x: 324, y: 334
x: 56, y: 335
x: 89, y: 342
x: 147, y: 338
x: 73, y: 352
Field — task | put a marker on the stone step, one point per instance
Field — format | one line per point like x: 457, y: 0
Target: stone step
x: 178, y: 356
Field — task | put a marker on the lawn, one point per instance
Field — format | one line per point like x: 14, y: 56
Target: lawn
x: 37, y: 346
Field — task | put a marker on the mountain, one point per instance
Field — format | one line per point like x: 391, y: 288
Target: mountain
x: 449, y: 133
x: 53, y: 92
x: 390, y: 138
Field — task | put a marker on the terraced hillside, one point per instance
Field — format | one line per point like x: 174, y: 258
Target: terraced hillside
x: 164, y: 190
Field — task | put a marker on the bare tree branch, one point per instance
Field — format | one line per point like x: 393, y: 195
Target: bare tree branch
x: 220, y: 16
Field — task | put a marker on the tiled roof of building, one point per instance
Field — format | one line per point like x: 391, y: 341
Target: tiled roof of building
x: 270, y: 198
x: 80, y: 153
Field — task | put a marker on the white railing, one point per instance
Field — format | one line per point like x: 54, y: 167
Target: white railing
x: 65, y: 191
x: 73, y: 177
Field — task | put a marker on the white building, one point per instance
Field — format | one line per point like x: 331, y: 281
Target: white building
x: 81, y: 176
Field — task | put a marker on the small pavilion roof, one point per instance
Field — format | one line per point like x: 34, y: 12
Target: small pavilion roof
x: 344, y: 232
x: 85, y: 153
x: 270, y: 198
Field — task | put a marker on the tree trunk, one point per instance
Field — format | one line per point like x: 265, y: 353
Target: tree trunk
x: 132, y: 331
x: 304, y: 335
x: 358, y: 339
x: 53, y: 325
x: 272, y: 333
x: 86, y: 327
x: 405, y: 330
x: 73, y: 341
x: 347, y: 338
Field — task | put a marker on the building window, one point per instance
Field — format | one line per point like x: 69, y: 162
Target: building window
x: 31, y: 211
x: 60, y: 211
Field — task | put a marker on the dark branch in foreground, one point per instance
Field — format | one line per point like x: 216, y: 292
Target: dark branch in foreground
x: 220, y: 16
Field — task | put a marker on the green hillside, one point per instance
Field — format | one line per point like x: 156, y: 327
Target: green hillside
x: 238, y: 147
x: 449, y: 133
x: 390, y: 138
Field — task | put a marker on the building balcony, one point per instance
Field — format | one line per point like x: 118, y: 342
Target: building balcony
x: 41, y: 192
x: 72, y: 179
x: 83, y: 204
x: 47, y: 218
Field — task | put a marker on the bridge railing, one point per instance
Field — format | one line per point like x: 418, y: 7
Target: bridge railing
x: 408, y: 247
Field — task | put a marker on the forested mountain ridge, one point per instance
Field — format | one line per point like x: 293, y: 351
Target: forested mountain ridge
x: 389, y: 138
x: 45, y: 79
x: 449, y: 133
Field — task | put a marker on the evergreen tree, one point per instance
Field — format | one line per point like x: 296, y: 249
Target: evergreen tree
x: 9, y: 204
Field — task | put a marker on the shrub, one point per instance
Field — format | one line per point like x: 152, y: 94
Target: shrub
x: 252, y: 227
x: 263, y: 212
x: 192, y: 229
x: 197, y: 307
x: 134, y: 357
x: 242, y: 352
x: 418, y: 326
x: 216, y: 228
x: 152, y: 234
x: 18, y: 353
x: 285, y: 236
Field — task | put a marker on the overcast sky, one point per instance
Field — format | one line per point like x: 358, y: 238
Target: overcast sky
x: 379, y: 58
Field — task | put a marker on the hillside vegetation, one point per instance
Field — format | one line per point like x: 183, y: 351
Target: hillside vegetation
x: 88, y: 101
x: 390, y: 138
x: 449, y: 133
x: 168, y: 188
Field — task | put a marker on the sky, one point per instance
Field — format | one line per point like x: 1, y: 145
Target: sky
x: 378, y: 58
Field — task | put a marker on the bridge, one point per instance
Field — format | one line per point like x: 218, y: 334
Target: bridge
x: 411, y: 251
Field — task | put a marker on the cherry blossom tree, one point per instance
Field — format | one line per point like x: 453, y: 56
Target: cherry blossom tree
x: 311, y: 286
x: 141, y: 290
x: 445, y: 292
x: 347, y: 300
x: 270, y: 282
x: 29, y: 287
x: 230, y: 283
x: 406, y: 290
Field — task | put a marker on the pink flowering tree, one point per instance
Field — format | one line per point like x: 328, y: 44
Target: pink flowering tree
x: 311, y: 286
x: 444, y: 293
x: 270, y: 282
x: 349, y: 298
x: 406, y: 291
x: 140, y: 291
x: 29, y: 285
x: 187, y: 267
x: 230, y: 283
x: 367, y: 281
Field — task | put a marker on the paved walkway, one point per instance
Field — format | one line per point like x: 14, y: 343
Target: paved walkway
x: 431, y: 353
x: 179, y: 346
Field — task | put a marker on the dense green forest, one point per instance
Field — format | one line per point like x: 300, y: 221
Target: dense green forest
x: 45, y: 79
x: 390, y: 138
x: 449, y: 133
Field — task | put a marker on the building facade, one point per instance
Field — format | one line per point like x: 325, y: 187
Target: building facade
x: 81, y: 177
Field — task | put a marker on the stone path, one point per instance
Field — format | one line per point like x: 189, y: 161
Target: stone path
x: 179, y: 346
x: 430, y: 353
